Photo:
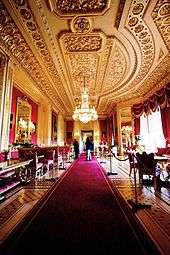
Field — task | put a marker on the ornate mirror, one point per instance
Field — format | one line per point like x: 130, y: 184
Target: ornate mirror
x: 24, y: 126
x: 126, y: 127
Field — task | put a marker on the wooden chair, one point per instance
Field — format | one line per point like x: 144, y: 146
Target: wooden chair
x: 49, y: 159
x: 146, y: 166
x: 133, y: 164
x: 38, y: 166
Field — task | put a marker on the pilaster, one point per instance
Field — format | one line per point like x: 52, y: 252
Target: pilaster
x: 60, y: 130
x: 6, y: 79
x: 119, y: 135
x: 44, y: 124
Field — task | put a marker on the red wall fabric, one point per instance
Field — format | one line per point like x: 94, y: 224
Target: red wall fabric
x: 69, y: 131
x: 69, y: 125
x: 103, y: 129
x: 34, y: 114
x: 54, y: 127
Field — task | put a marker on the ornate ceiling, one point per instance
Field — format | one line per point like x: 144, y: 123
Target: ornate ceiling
x: 120, y: 47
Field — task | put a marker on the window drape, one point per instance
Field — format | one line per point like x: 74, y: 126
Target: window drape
x: 152, y: 136
x: 161, y: 100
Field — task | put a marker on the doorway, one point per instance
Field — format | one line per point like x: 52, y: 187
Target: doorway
x: 84, y: 135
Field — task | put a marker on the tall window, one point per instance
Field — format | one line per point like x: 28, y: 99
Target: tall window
x: 151, y: 131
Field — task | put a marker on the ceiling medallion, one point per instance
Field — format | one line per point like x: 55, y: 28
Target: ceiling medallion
x: 81, y: 25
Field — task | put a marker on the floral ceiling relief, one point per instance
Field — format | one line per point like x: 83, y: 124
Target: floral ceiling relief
x: 69, y: 8
x: 82, y: 43
x: 15, y: 43
x: 142, y: 34
x: 23, y: 9
x: 161, y: 17
x: 81, y: 25
x: 104, y: 59
x: 116, y: 69
x: 83, y: 65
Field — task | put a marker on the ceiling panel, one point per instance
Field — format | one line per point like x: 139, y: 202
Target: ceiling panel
x: 119, y: 48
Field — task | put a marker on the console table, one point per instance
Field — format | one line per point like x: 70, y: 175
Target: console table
x: 13, y: 175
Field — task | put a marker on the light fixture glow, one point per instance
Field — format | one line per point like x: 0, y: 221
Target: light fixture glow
x: 84, y: 112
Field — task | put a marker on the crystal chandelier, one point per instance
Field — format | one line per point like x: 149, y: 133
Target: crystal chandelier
x: 84, y: 112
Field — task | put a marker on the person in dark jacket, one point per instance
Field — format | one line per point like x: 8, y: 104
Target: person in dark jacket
x: 76, y: 149
x: 89, y: 147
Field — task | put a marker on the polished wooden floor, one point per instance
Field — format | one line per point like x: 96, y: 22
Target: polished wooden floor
x: 155, y: 219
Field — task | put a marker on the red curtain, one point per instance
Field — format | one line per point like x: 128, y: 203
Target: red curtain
x: 160, y: 98
x: 165, y: 115
x: 136, y: 126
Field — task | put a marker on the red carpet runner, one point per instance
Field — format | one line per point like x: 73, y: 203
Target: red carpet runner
x: 80, y: 215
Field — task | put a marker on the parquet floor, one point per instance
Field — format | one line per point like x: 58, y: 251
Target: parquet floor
x: 155, y: 220
x: 21, y: 200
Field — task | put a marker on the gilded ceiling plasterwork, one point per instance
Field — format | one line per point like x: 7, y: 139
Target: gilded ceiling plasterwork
x: 18, y: 47
x: 119, y: 13
x: 117, y: 66
x: 116, y: 69
x: 92, y: 42
x: 142, y: 34
x: 112, y: 79
x: 93, y: 66
x: 113, y: 74
x: 158, y: 78
x: 32, y: 27
x: 81, y: 25
x: 69, y: 8
x: 161, y: 17
x: 83, y: 66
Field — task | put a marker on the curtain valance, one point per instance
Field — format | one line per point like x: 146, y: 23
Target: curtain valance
x: 160, y: 98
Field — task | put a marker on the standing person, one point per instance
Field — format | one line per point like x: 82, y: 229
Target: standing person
x: 92, y: 145
x: 88, y: 148
x: 76, y: 149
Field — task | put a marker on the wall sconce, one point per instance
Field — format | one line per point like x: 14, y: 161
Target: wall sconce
x: 22, y: 124
x: 31, y: 127
x: 25, y: 130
